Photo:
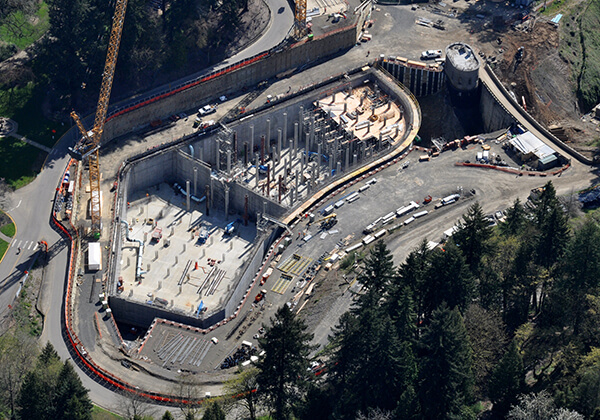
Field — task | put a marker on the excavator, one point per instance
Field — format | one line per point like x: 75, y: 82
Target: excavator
x: 89, y: 143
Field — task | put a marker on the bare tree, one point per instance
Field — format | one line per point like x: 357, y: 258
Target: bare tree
x: 17, y: 355
x: 135, y: 407
x: 5, y: 191
x: 242, y: 389
x: 188, y: 389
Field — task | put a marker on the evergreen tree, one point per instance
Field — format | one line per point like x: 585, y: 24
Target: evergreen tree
x: 413, y: 275
x: 378, y: 269
x: 167, y: 416
x: 71, y: 401
x: 244, y: 384
x: 515, y: 219
x: 449, y: 280
x: 472, y: 236
x: 446, y: 374
x: 507, y: 380
x: 214, y: 412
x: 580, y: 274
x: 283, y: 369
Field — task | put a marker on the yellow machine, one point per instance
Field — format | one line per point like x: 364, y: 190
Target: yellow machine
x: 90, y: 142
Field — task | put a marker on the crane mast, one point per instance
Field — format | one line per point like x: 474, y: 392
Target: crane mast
x: 90, y: 142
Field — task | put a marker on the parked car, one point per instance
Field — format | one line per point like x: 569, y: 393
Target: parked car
x: 431, y: 54
x: 207, y: 109
x: 223, y: 98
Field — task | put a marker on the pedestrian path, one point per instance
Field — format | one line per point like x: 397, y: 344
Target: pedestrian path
x: 25, y: 245
x: 6, y: 238
x: 31, y: 142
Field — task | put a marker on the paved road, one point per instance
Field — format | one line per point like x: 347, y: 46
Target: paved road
x: 31, y: 208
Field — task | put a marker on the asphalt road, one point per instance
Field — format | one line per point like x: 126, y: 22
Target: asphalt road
x: 31, y: 208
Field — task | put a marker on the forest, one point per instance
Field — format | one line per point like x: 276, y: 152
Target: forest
x: 158, y: 45
x: 498, y: 323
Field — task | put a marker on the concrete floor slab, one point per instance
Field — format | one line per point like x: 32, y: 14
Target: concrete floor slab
x: 180, y: 272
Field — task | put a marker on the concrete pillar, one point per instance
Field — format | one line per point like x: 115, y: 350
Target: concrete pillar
x: 397, y: 130
x: 330, y: 165
x: 279, y: 140
x: 295, y: 140
x: 196, y: 181
x: 228, y: 162
x: 226, y: 202
x: 338, y: 169
x: 380, y: 140
x: 268, y: 145
x: 264, y: 208
x: 312, y: 132
x: 208, y: 198
x: 319, y: 155
x: 246, y: 153
x: 301, y: 114
x: 284, y: 127
x: 262, y: 150
x: 296, y: 188
x: 187, y: 198
x: 354, y: 158
x: 275, y: 158
x: 251, y: 140
x: 256, y: 170
x: 200, y: 153
x: 347, y: 157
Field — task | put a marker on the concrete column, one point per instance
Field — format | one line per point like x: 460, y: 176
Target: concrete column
x: 279, y: 140
x: 264, y: 208
x: 300, y: 113
x: 187, y: 198
x: 200, y: 153
x: 256, y: 170
x: 275, y: 158
x: 207, y: 201
x: 295, y: 140
x: 296, y: 188
x: 338, y: 169
x: 228, y: 162
x: 330, y: 165
x: 347, y: 165
x: 217, y: 158
x: 345, y: 107
x: 246, y: 153
x: 268, y: 144
x: 284, y: 127
x: 196, y: 181
x: 380, y: 140
x: 354, y: 159
x: 312, y: 132
x: 226, y: 202
x: 319, y: 155
x: 251, y: 140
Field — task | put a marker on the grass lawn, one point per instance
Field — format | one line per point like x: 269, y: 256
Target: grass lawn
x: 31, y: 29
x: 99, y: 413
x: 3, y: 248
x: 9, y: 230
x: 19, y: 162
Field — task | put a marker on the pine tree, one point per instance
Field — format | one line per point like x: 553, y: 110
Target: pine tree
x: 378, y: 270
x: 515, y: 219
x: 449, y: 280
x: 214, y: 412
x: 446, y: 374
x: 71, y: 401
x: 283, y: 369
x: 472, y: 236
x: 507, y: 380
x: 413, y: 274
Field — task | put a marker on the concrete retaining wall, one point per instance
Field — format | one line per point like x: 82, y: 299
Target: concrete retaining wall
x: 297, y: 55
x: 493, y: 114
x: 421, y: 81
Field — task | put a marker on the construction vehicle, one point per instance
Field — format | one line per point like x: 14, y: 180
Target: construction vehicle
x: 203, y: 236
x: 427, y: 199
x: 323, y: 219
x: 89, y: 144
x: 232, y: 227
x: 328, y: 222
x: 157, y: 235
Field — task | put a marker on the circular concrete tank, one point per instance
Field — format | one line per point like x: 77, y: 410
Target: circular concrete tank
x: 462, y: 67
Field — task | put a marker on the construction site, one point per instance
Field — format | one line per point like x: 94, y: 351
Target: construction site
x: 193, y: 223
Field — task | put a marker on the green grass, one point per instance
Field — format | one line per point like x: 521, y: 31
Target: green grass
x: 99, y: 413
x: 3, y: 248
x: 20, y: 162
x: 9, y: 230
x: 554, y: 8
x: 29, y: 31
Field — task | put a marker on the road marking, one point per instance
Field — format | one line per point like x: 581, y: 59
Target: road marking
x: 282, y: 284
x: 16, y: 206
x: 29, y: 247
x: 37, y: 245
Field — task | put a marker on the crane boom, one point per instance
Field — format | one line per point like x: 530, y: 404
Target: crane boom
x: 90, y: 142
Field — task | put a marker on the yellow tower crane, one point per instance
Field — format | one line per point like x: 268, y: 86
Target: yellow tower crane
x: 90, y: 143
x: 300, y: 19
